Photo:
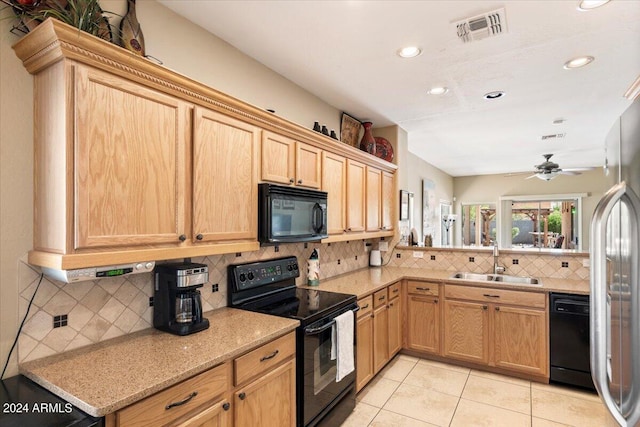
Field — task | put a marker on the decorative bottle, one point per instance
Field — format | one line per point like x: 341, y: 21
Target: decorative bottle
x: 131, y: 37
x: 368, y: 142
x: 313, y: 269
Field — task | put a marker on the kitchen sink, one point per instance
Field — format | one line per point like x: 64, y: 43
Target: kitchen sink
x: 503, y: 278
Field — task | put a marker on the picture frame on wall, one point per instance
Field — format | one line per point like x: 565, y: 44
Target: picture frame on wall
x: 405, y: 196
x: 350, y: 130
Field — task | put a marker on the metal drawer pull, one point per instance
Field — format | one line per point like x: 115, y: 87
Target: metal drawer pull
x: 491, y: 296
x: 423, y: 289
x: 364, y: 306
x: 242, y: 396
x: 182, y: 402
x: 271, y: 356
x: 395, y: 291
x: 226, y: 406
x: 381, y: 298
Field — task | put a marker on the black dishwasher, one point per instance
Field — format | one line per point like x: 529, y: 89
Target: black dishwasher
x: 569, y: 340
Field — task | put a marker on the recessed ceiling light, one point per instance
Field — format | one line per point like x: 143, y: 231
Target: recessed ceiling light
x: 409, y: 52
x: 494, y: 95
x: 438, y: 90
x: 586, y: 5
x: 559, y: 121
x: 578, y: 62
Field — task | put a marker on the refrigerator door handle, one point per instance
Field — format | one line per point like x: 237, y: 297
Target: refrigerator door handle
x: 599, y: 292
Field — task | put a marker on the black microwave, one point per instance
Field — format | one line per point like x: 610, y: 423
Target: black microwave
x: 290, y: 215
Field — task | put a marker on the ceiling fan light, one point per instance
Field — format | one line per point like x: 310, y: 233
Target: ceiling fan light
x: 546, y: 176
x: 586, y: 5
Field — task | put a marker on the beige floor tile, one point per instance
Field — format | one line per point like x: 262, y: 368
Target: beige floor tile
x: 377, y: 392
x: 407, y: 358
x: 566, y: 409
x: 460, y: 369
x: 437, y: 378
x: 503, y: 378
x: 498, y: 393
x: 422, y: 404
x: 361, y: 416
x: 568, y: 391
x: 397, y: 369
x: 469, y: 413
x: 541, y: 422
x: 391, y: 419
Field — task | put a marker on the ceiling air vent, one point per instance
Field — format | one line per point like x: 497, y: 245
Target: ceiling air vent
x: 482, y: 26
x: 553, y: 136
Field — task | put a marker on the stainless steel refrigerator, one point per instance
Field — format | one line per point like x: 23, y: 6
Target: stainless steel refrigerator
x: 615, y: 291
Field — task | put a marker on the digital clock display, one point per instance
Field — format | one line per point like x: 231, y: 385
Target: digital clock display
x: 114, y: 272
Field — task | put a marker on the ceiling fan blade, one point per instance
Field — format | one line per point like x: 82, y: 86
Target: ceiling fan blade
x: 532, y: 176
x: 515, y: 174
x: 569, y: 172
x: 578, y: 169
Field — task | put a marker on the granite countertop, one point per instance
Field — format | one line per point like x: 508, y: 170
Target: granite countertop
x: 368, y: 280
x: 104, y: 377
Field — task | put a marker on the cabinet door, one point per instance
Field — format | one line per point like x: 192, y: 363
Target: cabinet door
x: 356, y: 178
x: 423, y: 324
x: 278, y: 154
x: 129, y: 165
x: 374, y: 191
x: 364, y: 349
x: 225, y: 190
x: 214, y: 416
x: 268, y: 401
x: 334, y: 182
x: 520, y: 339
x: 380, y: 337
x: 466, y: 331
x: 308, y: 165
x: 388, y: 200
x: 395, y: 326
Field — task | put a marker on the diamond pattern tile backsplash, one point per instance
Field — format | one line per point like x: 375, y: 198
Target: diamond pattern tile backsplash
x: 90, y: 312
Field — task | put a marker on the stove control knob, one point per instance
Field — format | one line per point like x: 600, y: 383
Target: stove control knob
x: 295, y: 266
x: 139, y: 266
x: 250, y: 275
x: 242, y: 277
x: 289, y: 267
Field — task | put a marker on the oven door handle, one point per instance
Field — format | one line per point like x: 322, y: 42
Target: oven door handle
x: 315, y: 331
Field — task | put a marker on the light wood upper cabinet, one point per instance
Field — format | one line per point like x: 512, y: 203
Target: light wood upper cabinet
x: 356, y: 187
x: 225, y: 181
x: 334, y: 182
x: 374, y: 193
x: 388, y: 200
x: 129, y: 176
x: 290, y: 162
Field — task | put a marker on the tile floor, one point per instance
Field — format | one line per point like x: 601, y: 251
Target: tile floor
x: 417, y: 392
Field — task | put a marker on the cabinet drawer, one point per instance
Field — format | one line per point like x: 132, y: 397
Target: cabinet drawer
x: 366, y: 306
x: 394, y: 291
x: 380, y: 298
x: 423, y: 288
x: 264, y: 358
x: 500, y: 296
x: 166, y: 406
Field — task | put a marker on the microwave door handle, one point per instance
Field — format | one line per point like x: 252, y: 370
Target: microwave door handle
x: 318, y: 218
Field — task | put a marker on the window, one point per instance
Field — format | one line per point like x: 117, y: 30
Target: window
x: 479, y: 224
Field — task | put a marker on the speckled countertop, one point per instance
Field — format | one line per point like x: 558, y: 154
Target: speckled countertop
x: 368, y: 280
x: 102, y: 378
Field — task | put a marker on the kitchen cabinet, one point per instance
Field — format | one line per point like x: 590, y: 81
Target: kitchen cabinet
x: 334, y: 182
x: 364, y: 342
x: 373, y: 199
x: 423, y: 316
x: 289, y: 162
x: 356, y: 186
x: 388, y: 201
x: 497, y: 327
x: 216, y: 415
x: 225, y: 181
x: 395, y: 319
x: 380, y: 330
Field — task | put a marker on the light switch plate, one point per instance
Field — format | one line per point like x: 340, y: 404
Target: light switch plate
x: 383, y: 246
x: 417, y: 254
x: 586, y: 262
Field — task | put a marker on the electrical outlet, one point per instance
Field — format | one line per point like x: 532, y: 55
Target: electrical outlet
x: 383, y: 246
x: 417, y: 254
x: 367, y: 247
x: 586, y: 262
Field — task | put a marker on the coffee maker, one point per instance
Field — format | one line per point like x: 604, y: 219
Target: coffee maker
x: 177, y: 306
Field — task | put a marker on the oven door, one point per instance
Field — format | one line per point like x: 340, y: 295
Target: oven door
x: 321, y: 392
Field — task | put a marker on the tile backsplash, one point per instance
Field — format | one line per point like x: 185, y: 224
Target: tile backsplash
x: 67, y: 316
x: 90, y: 312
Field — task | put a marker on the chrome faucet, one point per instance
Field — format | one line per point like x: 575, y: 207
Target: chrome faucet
x: 497, y: 268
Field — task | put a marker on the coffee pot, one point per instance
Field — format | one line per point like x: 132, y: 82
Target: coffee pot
x: 177, y: 304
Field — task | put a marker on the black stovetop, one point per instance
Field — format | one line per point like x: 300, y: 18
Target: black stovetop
x: 307, y: 304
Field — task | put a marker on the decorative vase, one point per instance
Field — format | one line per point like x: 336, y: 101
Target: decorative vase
x: 131, y: 37
x: 368, y: 142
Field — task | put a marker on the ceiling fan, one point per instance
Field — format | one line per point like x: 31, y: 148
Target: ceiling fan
x: 548, y: 170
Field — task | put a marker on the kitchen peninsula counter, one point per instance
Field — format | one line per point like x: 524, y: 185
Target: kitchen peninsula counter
x: 102, y: 378
x: 366, y: 281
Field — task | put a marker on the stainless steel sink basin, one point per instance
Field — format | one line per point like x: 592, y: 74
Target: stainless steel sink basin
x: 516, y: 279
x: 504, y: 278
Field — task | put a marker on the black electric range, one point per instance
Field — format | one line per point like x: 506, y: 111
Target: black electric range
x: 269, y: 287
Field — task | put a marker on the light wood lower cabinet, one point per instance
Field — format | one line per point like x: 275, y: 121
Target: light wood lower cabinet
x: 364, y: 342
x: 496, y: 327
x: 216, y: 415
x: 380, y: 330
x: 394, y: 319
